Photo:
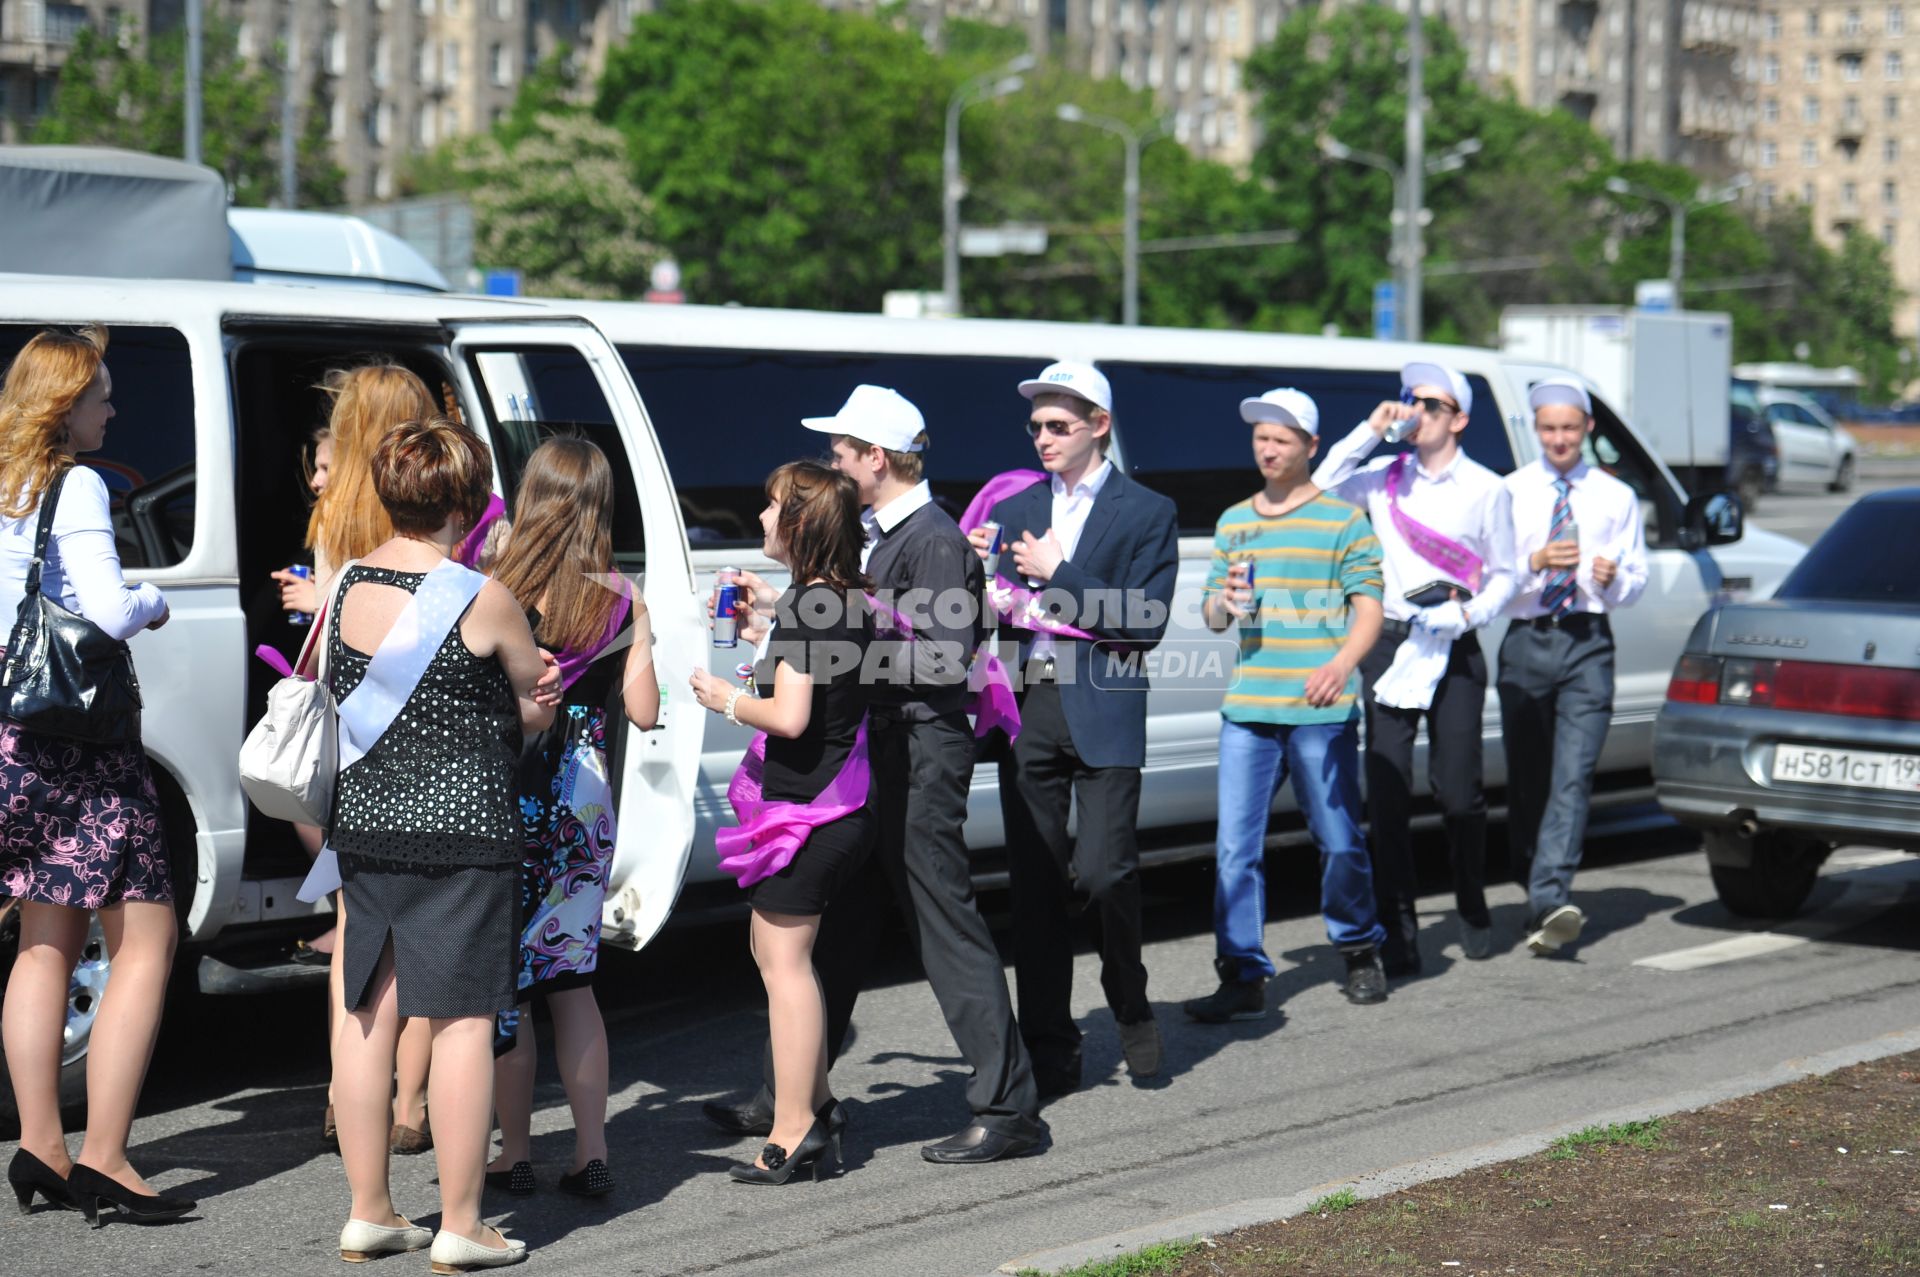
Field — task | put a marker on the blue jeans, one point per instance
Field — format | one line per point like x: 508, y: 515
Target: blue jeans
x: 1324, y: 761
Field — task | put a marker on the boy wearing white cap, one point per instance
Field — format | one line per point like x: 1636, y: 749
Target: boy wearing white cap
x: 1445, y: 525
x: 1292, y: 709
x: 1091, y: 538
x: 922, y: 753
x: 1581, y: 550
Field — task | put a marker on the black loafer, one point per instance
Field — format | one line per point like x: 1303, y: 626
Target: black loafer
x: 516, y: 1179
x: 1140, y: 1043
x: 739, y: 1119
x: 981, y: 1144
x: 591, y: 1180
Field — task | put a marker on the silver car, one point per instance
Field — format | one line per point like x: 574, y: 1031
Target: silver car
x: 1793, y: 724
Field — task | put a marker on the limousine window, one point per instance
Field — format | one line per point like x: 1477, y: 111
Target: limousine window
x: 149, y: 454
x: 1180, y: 427
x: 565, y: 399
x: 726, y: 418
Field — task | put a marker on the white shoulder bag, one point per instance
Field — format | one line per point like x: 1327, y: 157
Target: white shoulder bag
x: 292, y: 755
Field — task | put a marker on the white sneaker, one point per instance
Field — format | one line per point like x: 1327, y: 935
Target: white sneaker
x: 453, y: 1253
x: 361, y: 1241
x: 1560, y: 927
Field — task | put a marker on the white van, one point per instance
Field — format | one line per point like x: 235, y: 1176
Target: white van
x: 217, y: 390
x: 725, y: 389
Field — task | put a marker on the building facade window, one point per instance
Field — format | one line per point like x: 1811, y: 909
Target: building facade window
x: 1890, y: 150
x: 1896, y: 20
x: 1852, y: 22
x: 1888, y: 232
x: 1849, y: 193
x: 1810, y: 70
x: 1767, y: 195
x: 1771, y: 26
x: 1770, y: 69
x: 1889, y: 193
x: 1894, y: 66
x: 1810, y: 110
x: 1769, y: 154
x: 1813, y: 21
x: 1850, y: 67
x: 1809, y: 153
x: 1770, y: 110
x: 1891, y: 107
x: 502, y: 60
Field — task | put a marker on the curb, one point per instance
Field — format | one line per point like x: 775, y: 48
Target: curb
x: 1261, y: 1210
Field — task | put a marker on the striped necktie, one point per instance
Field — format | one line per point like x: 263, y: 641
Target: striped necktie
x: 1557, y: 597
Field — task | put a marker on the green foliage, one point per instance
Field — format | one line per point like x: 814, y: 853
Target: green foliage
x: 793, y: 151
x: 1641, y: 1135
x: 558, y: 204
x: 1333, y: 1203
x: 1149, y: 1262
x: 114, y: 92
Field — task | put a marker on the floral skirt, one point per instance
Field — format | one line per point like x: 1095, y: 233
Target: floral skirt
x: 567, y: 821
x: 79, y: 822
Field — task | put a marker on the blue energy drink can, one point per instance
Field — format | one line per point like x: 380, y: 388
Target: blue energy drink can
x: 305, y: 573
x: 726, y: 608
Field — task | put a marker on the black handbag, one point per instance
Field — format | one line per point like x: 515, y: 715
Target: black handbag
x: 64, y: 675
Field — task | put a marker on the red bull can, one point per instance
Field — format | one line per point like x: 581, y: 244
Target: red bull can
x: 726, y: 608
x: 305, y: 573
x: 994, y: 546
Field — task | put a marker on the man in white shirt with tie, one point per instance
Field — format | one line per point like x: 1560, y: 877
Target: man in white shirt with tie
x: 1445, y: 528
x: 1581, y: 552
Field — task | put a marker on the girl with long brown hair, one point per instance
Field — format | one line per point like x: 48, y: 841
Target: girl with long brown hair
x: 558, y: 564
x: 810, y: 700
x: 82, y: 833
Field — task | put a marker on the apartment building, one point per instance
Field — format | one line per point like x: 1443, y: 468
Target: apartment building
x: 35, y: 36
x: 1832, y: 112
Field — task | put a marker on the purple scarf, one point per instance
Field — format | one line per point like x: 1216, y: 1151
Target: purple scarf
x: 573, y: 664
x: 1456, y: 560
x: 990, y: 698
x: 469, y: 549
x: 770, y: 834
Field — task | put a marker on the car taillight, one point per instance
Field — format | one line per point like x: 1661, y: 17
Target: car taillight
x: 1696, y: 680
x: 1859, y: 691
x: 1744, y: 682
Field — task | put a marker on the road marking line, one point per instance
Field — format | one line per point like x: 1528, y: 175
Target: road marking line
x: 1729, y: 950
x: 1868, y: 859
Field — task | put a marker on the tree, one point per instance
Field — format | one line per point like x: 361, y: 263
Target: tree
x: 793, y: 152
x: 117, y: 93
x: 559, y: 204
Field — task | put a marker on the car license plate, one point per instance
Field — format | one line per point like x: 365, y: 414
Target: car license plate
x: 1854, y: 768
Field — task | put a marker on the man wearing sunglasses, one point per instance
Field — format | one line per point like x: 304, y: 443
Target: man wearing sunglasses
x: 1445, y: 525
x: 1103, y: 553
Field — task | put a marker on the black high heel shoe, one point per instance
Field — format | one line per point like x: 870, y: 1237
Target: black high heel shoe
x: 29, y: 1175
x: 834, y: 1114
x: 781, y: 1165
x: 93, y: 1192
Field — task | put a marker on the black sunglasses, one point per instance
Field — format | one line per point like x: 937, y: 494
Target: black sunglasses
x: 1058, y: 429
x: 1434, y: 406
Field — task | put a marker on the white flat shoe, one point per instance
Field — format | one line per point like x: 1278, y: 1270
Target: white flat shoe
x: 453, y: 1253
x: 361, y: 1241
x: 1560, y: 927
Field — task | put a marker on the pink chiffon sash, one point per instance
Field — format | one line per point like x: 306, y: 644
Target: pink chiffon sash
x: 771, y: 833
x: 1456, y: 560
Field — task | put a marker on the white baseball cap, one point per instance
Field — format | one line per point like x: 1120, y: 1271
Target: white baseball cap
x: 1287, y: 406
x: 1560, y: 390
x: 876, y: 415
x: 1084, y: 380
x: 1429, y: 374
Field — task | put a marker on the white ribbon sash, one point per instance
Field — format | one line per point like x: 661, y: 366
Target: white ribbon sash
x: 394, y: 670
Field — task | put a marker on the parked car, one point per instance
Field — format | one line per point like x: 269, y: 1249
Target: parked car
x: 1814, y: 451
x: 1753, y: 456
x: 1793, y: 724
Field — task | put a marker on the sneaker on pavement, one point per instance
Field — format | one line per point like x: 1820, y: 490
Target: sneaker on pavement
x: 1366, y: 978
x: 1558, y: 927
x: 1233, y: 1000
x: 1476, y: 943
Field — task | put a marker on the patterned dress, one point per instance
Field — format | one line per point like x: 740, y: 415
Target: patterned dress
x: 567, y: 816
x: 79, y: 822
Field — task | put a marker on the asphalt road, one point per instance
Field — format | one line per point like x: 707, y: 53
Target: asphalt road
x: 1667, y: 993
x: 1803, y: 512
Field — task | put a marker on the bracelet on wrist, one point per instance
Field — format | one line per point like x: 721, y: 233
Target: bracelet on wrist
x: 733, y: 700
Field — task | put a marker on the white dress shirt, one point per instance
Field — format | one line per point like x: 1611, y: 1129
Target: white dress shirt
x: 82, y: 570
x: 1607, y: 513
x: 1070, y: 511
x: 1465, y: 501
x: 890, y: 516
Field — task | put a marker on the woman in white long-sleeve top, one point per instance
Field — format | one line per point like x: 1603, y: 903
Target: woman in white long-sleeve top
x: 80, y: 824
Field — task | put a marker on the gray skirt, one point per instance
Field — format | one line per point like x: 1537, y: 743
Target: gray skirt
x: 455, y: 933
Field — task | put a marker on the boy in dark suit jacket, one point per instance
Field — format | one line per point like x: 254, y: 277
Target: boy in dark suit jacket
x: 1102, y: 552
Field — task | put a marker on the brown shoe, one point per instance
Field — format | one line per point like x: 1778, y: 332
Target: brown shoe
x: 407, y: 1141
x: 329, y: 1133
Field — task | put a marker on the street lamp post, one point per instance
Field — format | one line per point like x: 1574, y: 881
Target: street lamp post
x: 1413, y: 240
x: 1677, y: 210
x: 981, y: 88
x: 1407, y: 249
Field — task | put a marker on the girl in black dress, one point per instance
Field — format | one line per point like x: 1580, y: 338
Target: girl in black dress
x: 811, y: 702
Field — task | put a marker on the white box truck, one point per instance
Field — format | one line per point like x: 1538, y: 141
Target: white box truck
x: 1667, y: 372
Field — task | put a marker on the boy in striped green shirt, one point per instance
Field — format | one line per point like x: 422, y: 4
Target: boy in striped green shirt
x: 1308, y: 614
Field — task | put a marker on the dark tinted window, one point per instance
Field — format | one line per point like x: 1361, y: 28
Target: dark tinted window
x: 1181, y: 430
x: 726, y: 418
x: 566, y: 399
x: 1857, y: 562
x: 148, y: 458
